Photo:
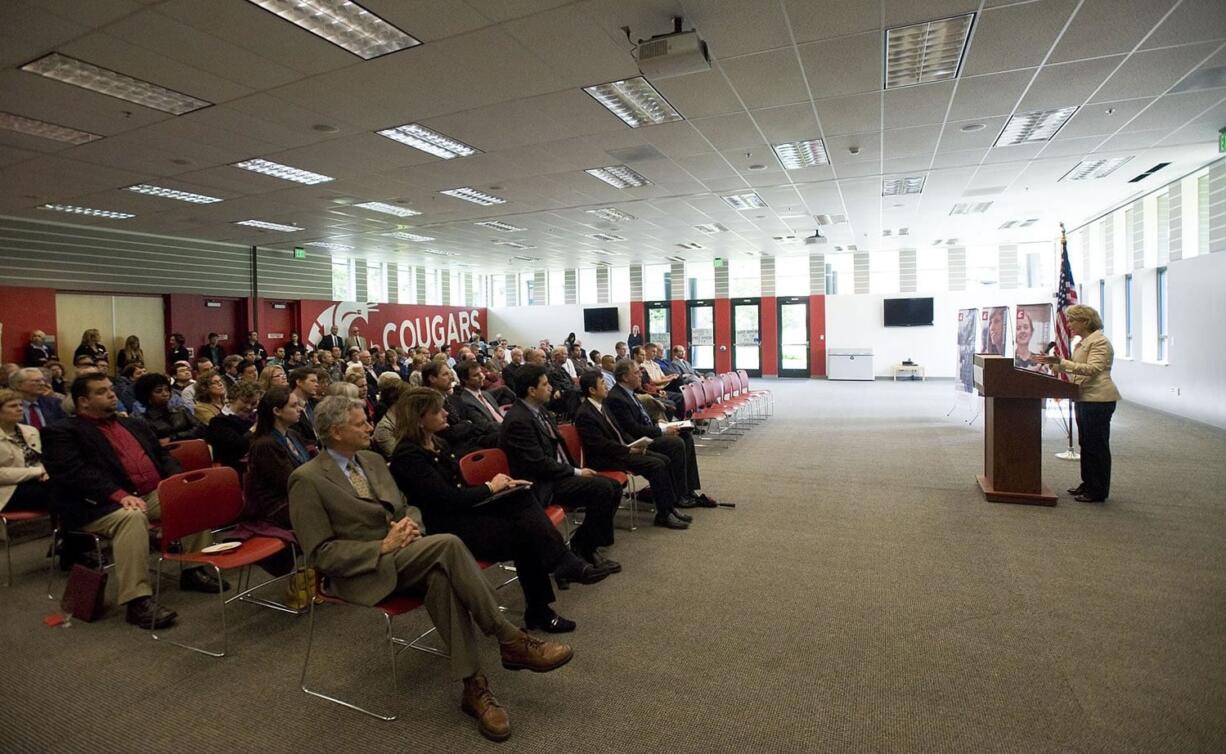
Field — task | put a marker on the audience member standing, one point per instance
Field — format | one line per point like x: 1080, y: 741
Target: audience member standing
x: 92, y: 346
x: 38, y: 353
x: 253, y: 342
x: 332, y: 340
x: 131, y: 352
x: 635, y: 338
x: 356, y: 340
x: 212, y: 350
x: 178, y: 350
x: 295, y: 345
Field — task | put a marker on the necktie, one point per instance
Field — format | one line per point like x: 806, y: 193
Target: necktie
x: 358, y: 481
x: 493, y: 411
x: 605, y: 413
x: 642, y: 411
x: 36, y: 419
x: 540, y: 416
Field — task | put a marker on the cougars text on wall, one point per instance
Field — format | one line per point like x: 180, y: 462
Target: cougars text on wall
x: 394, y: 325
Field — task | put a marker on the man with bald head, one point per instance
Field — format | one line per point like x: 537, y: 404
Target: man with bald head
x: 562, y: 379
x: 508, y: 371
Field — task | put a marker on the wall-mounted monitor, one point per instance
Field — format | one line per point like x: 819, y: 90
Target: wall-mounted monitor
x: 908, y: 312
x: 602, y: 319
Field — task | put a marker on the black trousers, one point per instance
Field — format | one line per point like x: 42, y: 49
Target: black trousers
x: 599, y: 496
x: 514, y: 528
x: 661, y: 471
x: 682, y: 457
x: 1094, y: 434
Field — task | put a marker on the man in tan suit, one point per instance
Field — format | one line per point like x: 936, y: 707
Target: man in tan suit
x: 354, y: 526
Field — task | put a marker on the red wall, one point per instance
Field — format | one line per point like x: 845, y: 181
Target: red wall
x: 638, y: 316
x: 275, y: 324
x: 817, y: 336
x: 23, y: 310
x: 186, y: 313
x: 679, y: 322
x: 723, y: 335
x: 393, y: 325
x: 769, y: 323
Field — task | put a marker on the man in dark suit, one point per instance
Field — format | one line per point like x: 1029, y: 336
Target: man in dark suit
x: 37, y: 408
x: 508, y: 372
x: 536, y: 452
x: 356, y: 340
x: 633, y: 422
x: 605, y: 449
x: 177, y: 351
x: 37, y: 351
x: 476, y: 404
x: 212, y: 350
x: 332, y: 340
x: 464, y: 436
x: 304, y: 382
x: 106, y: 471
x: 253, y: 343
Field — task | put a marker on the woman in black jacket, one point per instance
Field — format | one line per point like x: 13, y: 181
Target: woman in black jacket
x: 170, y: 424
x: 275, y: 452
x: 514, y: 527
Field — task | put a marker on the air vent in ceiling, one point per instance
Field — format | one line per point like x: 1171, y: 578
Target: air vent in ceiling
x: 675, y: 259
x: 640, y: 153
x: 989, y: 191
x: 689, y: 246
x: 1149, y: 172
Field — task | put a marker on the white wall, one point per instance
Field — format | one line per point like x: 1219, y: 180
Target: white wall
x: 857, y: 322
x: 526, y: 325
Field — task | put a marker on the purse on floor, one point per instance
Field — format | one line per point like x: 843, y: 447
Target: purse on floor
x: 85, y: 593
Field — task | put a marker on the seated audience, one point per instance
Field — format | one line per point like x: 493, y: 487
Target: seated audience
x: 132, y: 352
x: 277, y: 358
x: 180, y: 380
x: 169, y: 423
x: 38, y: 352
x: 7, y: 370
x: 275, y: 451
x: 357, y: 378
x: 210, y: 395
x: 682, y: 367
x: 508, y: 371
x: 354, y: 526
x: 229, y: 434
x: 229, y: 371
x: 23, y: 480
x: 91, y: 346
x: 105, y: 471
x: 257, y: 349
x: 38, y: 408
x: 249, y: 369
x: 304, y: 381
x: 274, y: 375
x: 462, y: 435
x: 124, y: 382
x: 473, y: 402
x: 55, y: 376
x: 565, y: 396
x: 536, y: 452
x: 390, y: 386
x: 605, y: 449
x: 514, y: 527
x: 188, y: 394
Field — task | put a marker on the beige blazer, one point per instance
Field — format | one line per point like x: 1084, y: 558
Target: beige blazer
x: 1090, y: 368
x: 13, y: 469
x: 341, y: 533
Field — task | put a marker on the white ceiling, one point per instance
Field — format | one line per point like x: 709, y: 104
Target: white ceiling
x: 506, y: 76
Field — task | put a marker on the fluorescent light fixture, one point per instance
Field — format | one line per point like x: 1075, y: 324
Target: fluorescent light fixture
x: 109, y: 214
x: 526, y: 259
x: 45, y: 130
x: 470, y: 194
x: 924, y: 52
x: 969, y: 208
x: 745, y: 201
x: 603, y: 252
x: 284, y: 172
x: 1093, y: 169
x: 440, y: 253
x: 167, y: 193
x: 612, y: 214
x: 513, y: 244
x: 635, y: 101
x: 499, y: 226
x: 329, y: 245
x: 431, y: 142
x: 113, y: 84
x: 265, y: 225
x: 1040, y: 125
x: 388, y: 209
x: 802, y: 154
x: 689, y: 246
x: 343, y: 23
x: 711, y: 228
x: 618, y: 176
x: 675, y: 259
x: 403, y: 236
x: 899, y: 186
x: 606, y: 237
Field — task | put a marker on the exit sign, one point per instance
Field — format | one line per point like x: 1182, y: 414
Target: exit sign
x: 1221, y: 140
x: 299, y: 252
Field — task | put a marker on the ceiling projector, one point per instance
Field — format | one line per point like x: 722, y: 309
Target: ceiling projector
x: 676, y: 54
x: 816, y: 238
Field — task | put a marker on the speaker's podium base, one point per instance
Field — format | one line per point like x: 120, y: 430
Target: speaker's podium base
x: 990, y: 493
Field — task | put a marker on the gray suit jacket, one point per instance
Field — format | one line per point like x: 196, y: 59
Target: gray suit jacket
x: 475, y: 412
x: 342, y: 533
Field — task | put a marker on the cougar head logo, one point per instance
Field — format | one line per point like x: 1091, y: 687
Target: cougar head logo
x: 343, y: 315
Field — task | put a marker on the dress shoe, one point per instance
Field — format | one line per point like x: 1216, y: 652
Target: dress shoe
x: 670, y: 522
x: 705, y: 501
x: 479, y: 701
x: 530, y: 653
x: 685, y: 501
x: 549, y: 622
x: 577, y: 570
x: 1079, y: 489
x: 683, y: 516
x: 201, y: 580
x: 1085, y: 498
x: 601, y: 562
x: 141, y: 612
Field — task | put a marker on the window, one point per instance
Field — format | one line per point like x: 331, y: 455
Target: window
x: 588, y: 294
x: 655, y: 282
x: 839, y: 277
x: 700, y: 279
x: 457, y: 289
x: 557, y: 287
x: 1202, y: 215
x: 619, y: 285
x: 344, y: 279
x: 1162, y: 314
x: 931, y: 270
x: 1162, y: 221
x: 883, y: 269
x: 498, y: 290
x: 406, y: 284
x: 1102, y: 301
x: 744, y: 277
x: 792, y: 276
x: 432, y: 292
x: 480, y: 290
x: 376, y: 282
x: 1128, y: 316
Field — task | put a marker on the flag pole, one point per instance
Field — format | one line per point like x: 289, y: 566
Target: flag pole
x: 1070, y: 453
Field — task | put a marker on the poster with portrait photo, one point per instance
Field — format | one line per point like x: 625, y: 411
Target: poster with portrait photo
x: 966, y: 349
x: 994, y: 339
x: 1032, y: 333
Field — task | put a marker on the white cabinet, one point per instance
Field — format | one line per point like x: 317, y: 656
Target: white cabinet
x: 849, y: 364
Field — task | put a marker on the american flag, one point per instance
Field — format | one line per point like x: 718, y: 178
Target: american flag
x: 1066, y: 296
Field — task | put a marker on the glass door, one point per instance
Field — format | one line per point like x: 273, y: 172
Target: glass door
x: 658, y: 315
x: 747, y: 336
x: 702, y: 335
x: 794, y: 336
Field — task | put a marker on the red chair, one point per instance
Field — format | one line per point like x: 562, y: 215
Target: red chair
x: 204, y: 500
x: 192, y: 455
x: 766, y: 396
x: 480, y: 466
x: 574, y: 445
x: 16, y: 517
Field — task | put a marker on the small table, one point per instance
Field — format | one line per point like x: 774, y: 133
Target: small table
x: 913, y: 370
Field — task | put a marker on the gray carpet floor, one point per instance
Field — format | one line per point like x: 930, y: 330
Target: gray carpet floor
x: 861, y: 597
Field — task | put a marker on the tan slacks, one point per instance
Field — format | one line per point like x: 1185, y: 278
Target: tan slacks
x: 457, y: 595
x: 128, y: 531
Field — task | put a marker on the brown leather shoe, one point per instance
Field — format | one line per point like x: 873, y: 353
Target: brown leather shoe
x: 530, y: 653
x: 479, y: 701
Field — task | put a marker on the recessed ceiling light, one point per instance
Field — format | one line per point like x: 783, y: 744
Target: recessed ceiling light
x: 470, y: 194
x: 618, y: 176
x: 899, y: 186
x: 711, y: 228
x: 1092, y: 169
x: 284, y: 172
x: 972, y: 127
x: 675, y: 259
x: 924, y: 52
x: 604, y: 252
x: 109, y: 214
x: 325, y: 128
x: 748, y: 200
x: 166, y: 193
x: 606, y: 237
x: 331, y: 246
x: 513, y: 244
x: 45, y: 130
x: 343, y: 23
x: 499, y: 226
x: 113, y: 84
x: 802, y: 154
x: 612, y: 214
x: 441, y: 253
x: 969, y: 208
x: 388, y: 209
x: 431, y: 142
x: 403, y: 236
x: 1040, y: 125
x: 635, y: 101
x: 689, y: 246
x: 526, y: 259
x: 265, y: 225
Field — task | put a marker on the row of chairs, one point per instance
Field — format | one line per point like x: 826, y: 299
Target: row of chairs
x: 723, y: 406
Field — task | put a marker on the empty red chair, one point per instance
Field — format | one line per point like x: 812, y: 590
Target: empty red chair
x: 6, y: 518
x: 191, y: 454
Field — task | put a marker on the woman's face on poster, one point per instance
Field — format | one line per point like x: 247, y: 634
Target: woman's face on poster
x: 996, y: 327
x: 1025, y: 330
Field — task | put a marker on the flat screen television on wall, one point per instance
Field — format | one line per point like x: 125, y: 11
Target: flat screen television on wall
x: 908, y: 312
x: 603, y: 319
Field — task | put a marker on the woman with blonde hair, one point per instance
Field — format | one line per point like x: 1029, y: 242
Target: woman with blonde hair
x: 23, y: 480
x: 1090, y: 369
x: 132, y: 352
x: 273, y: 376
x: 210, y: 395
x: 91, y: 346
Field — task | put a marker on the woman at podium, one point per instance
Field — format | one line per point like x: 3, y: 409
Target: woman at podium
x: 1090, y: 368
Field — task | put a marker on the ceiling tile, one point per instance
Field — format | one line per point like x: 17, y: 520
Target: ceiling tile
x: 730, y: 131
x: 911, y: 142
x: 831, y: 18
x: 984, y: 96
x: 679, y: 139
x: 1152, y: 72
x: 954, y: 139
x: 1173, y: 111
x: 958, y: 159
x: 906, y: 12
x: 1132, y: 141
x: 699, y: 95
x: 1192, y: 21
x: 791, y: 123
x: 1017, y: 36
x: 1094, y: 120
x: 917, y: 105
x: 1107, y: 27
x: 767, y: 79
x: 739, y: 27
x: 30, y: 30
x: 37, y: 97
x: 569, y: 41
x: 843, y: 66
x: 1067, y: 84
x: 854, y: 114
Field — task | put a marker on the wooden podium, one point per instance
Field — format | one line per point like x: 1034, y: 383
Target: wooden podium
x: 1012, y: 435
